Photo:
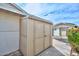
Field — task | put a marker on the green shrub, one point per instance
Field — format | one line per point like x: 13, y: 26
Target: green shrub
x: 73, y: 38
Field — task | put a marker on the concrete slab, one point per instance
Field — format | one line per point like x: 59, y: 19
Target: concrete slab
x: 64, y: 48
x: 52, y: 51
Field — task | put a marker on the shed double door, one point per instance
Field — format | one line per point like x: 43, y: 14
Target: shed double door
x: 39, y: 37
x: 47, y: 35
x: 42, y: 36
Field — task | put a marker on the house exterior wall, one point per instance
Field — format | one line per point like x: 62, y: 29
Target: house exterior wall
x: 63, y: 33
x: 9, y: 32
x: 60, y: 32
x: 56, y: 32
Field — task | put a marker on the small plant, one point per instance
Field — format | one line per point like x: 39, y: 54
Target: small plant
x: 73, y: 38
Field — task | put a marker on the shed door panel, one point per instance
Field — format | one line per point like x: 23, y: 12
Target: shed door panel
x: 47, y: 35
x: 23, y: 39
x: 38, y: 36
x: 27, y: 36
x: 30, y: 37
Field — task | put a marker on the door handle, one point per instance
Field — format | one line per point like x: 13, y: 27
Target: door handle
x: 45, y: 35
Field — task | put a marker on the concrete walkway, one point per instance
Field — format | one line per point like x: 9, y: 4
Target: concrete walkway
x: 64, y: 48
x: 52, y: 51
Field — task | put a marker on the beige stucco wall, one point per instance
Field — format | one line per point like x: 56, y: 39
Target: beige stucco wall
x: 9, y: 32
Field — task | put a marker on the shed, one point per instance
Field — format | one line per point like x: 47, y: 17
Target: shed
x: 20, y: 30
x: 37, y: 32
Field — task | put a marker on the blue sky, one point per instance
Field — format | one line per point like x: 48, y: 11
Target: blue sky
x: 55, y: 12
